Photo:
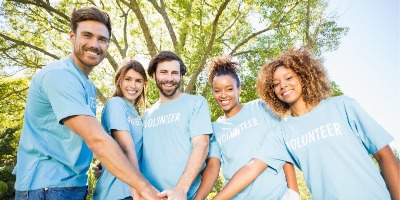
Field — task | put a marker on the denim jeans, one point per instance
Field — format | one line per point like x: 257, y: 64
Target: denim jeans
x: 66, y: 193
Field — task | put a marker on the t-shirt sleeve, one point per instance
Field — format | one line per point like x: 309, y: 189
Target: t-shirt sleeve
x: 372, y: 135
x: 273, y: 151
x: 66, y: 94
x: 200, y: 121
x: 214, y: 150
x: 114, y: 116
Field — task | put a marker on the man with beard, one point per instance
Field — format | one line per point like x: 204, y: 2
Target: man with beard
x: 176, y: 132
x: 60, y: 127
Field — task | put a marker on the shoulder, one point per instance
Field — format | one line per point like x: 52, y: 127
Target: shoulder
x: 59, y: 71
x: 192, y: 97
x: 340, y: 100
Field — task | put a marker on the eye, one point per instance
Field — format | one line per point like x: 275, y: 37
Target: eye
x: 288, y: 78
x: 103, y: 39
x: 274, y: 85
x: 217, y: 91
x: 127, y: 79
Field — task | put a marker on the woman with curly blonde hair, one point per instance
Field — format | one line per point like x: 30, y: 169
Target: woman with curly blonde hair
x: 328, y: 138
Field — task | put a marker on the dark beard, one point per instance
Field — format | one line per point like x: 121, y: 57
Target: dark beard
x: 159, y: 85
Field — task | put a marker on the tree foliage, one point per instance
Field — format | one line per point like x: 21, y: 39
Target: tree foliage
x: 35, y: 32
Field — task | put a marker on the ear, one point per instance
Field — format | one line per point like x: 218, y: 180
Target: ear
x: 71, y: 36
x: 239, y: 90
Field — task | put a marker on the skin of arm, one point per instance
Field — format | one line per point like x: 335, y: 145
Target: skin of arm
x: 109, y: 153
x: 193, y: 167
x: 290, y: 175
x: 242, y: 178
x: 210, y: 176
x: 125, y: 141
x: 390, y: 170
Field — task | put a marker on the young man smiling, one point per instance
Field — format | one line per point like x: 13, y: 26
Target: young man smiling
x: 60, y: 128
x: 176, y: 132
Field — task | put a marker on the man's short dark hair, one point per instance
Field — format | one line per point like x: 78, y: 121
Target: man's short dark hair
x: 165, y: 56
x: 90, y: 13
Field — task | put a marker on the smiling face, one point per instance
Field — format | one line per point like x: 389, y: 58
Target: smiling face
x: 226, y: 93
x: 287, y: 86
x: 89, y: 44
x: 132, y: 85
x: 168, y: 79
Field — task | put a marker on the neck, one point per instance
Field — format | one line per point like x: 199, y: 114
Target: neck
x: 164, y: 99
x: 84, y: 68
x: 233, y: 111
x: 301, y: 108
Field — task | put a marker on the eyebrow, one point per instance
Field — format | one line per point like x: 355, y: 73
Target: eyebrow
x: 91, y: 34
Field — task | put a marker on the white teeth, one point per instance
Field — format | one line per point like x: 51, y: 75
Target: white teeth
x: 93, y: 53
x: 287, y: 92
x: 131, y: 92
x: 224, y: 102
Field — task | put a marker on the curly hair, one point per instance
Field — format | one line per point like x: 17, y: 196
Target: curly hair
x: 140, y: 102
x: 223, y: 65
x: 313, y: 77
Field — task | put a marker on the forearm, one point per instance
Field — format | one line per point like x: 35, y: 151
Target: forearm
x: 290, y: 175
x: 209, y: 177
x: 242, y: 178
x: 107, y: 150
x: 194, y: 164
x: 390, y: 169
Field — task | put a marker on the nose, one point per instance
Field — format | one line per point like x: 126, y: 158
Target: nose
x: 169, y: 77
x: 223, y: 93
x: 283, y: 84
x: 93, y: 42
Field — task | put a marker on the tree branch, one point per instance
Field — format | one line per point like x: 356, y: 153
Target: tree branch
x: 151, y: 46
x: 18, y: 42
x: 12, y: 93
x: 190, y: 86
x: 101, y: 96
x: 272, y: 25
x: 161, y: 9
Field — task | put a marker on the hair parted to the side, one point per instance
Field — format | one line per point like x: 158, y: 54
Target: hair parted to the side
x: 90, y: 13
x: 163, y: 56
x: 313, y: 77
x: 223, y: 65
x: 140, y: 102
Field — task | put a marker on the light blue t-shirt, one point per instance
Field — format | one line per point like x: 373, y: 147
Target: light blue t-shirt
x: 119, y: 114
x: 168, y: 130
x: 49, y: 154
x: 237, y: 139
x: 331, y: 145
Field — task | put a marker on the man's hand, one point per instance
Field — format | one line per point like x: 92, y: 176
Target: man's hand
x: 151, y: 193
x: 97, y: 170
x: 174, y: 194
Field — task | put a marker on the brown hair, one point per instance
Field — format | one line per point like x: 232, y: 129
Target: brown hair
x: 90, y: 13
x: 223, y: 65
x: 119, y: 76
x: 313, y: 77
x: 165, y: 56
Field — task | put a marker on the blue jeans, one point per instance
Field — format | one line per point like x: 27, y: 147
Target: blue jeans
x: 65, y: 193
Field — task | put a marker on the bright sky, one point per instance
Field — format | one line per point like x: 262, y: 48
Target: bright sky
x: 366, y: 66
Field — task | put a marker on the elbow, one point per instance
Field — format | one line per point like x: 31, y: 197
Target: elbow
x: 96, y: 144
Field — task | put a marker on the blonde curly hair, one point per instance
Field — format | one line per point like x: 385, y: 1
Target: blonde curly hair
x: 313, y: 78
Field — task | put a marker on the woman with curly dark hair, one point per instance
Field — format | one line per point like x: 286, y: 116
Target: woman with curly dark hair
x: 329, y: 138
